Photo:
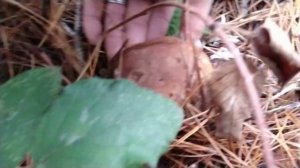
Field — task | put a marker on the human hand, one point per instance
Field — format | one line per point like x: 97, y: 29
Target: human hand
x: 99, y: 16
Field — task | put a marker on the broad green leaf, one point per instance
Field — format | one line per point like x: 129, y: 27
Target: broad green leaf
x: 92, y: 123
x: 106, y: 123
x: 23, y: 100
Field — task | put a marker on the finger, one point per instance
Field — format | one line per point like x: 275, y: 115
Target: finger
x: 194, y: 24
x: 114, y: 14
x: 92, y: 13
x: 159, y: 22
x: 136, y: 29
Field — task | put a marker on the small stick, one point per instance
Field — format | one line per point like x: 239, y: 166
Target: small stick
x: 254, y: 98
x: 77, y: 29
x: 185, y: 26
x: 46, y: 9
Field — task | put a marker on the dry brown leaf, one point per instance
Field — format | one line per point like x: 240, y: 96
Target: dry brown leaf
x: 273, y: 45
x: 227, y: 93
x: 203, y: 70
x: 163, y: 65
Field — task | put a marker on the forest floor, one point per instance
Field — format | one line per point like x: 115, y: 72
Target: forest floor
x: 29, y: 40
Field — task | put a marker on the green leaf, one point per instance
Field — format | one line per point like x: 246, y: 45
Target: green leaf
x: 23, y: 100
x: 92, y: 123
x: 106, y: 123
x: 174, y: 26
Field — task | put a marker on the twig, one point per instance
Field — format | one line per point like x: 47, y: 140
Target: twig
x: 185, y: 26
x: 46, y: 9
x: 77, y: 29
x: 254, y: 98
x: 295, y: 105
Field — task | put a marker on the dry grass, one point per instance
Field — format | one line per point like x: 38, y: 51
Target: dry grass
x: 28, y: 40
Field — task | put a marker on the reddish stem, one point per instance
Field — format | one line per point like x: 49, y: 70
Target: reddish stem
x: 254, y: 99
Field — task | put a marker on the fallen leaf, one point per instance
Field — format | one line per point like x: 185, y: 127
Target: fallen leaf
x: 227, y: 93
x: 203, y: 70
x: 273, y: 46
x: 163, y: 65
